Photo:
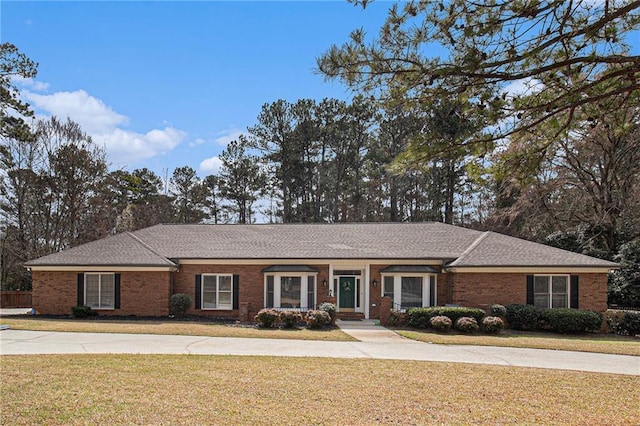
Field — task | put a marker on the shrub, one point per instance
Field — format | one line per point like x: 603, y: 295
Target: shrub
x: 625, y: 323
x: 398, y: 319
x: 492, y: 325
x: 267, y: 317
x: 522, y: 317
x: 441, y: 323
x: 290, y: 318
x: 498, y: 311
x: 329, y: 308
x: 467, y: 325
x: 179, y: 303
x: 81, y: 311
x: 317, y: 319
x: 421, y: 317
x: 570, y: 320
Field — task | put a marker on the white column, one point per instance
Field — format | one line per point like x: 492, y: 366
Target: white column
x: 367, y: 280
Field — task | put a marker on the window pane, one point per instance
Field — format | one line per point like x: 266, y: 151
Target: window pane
x: 107, y: 291
x: 541, y: 301
x: 269, y: 301
x: 290, y: 292
x: 209, y: 291
x: 388, y: 287
x: 92, y: 290
x: 559, y: 285
x: 411, y: 292
x: 541, y: 284
x: 225, y: 283
x: 311, y: 303
x: 559, y: 300
x: 224, y: 299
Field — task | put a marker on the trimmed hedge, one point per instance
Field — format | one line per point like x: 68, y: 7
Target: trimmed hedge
x: 625, y: 323
x: 421, y: 317
x: 522, y: 317
x: 179, y: 303
x: 82, y: 311
x: 565, y: 320
x: 267, y: 317
x: 317, y: 319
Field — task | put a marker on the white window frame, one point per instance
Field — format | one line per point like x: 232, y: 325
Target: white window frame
x: 397, y: 287
x: 304, y: 288
x: 549, y: 291
x: 218, y: 306
x: 100, y: 292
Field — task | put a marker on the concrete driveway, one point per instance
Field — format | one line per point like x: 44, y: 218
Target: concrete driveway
x: 379, y: 343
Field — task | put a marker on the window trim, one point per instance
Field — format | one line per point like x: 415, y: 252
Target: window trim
x: 549, y: 292
x: 304, y: 288
x: 99, y: 307
x: 217, y: 308
x: 397, y: 287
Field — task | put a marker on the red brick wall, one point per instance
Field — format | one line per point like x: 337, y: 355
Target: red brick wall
x: 484, y: 289
x: 251, y: 286
x: 141, y: 293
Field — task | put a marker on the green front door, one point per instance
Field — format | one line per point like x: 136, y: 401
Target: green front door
x: 347, y: 295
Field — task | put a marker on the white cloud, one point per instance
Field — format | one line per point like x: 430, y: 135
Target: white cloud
x: 91, y: 113
x: 211, y: 165
x: 196, y: 142
x: 125, y: 147
x: 103, y: 124
x: 30, y: 83
x: 524, y: 87
x: 228, y: 136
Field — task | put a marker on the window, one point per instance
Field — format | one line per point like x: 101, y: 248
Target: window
x: 290, y: 291
x: 551, y: 291
x: 99, y: 291
x: 217, y: 291
x: 410, y: 290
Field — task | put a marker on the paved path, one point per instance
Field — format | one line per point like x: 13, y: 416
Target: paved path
x: 377, y: 342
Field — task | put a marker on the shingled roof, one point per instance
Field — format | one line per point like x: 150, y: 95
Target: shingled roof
x: 119, y: 250
x: 167, y: 244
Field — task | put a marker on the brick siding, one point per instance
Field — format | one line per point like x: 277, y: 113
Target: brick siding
x: 141, y: 293
x: 484, y: 289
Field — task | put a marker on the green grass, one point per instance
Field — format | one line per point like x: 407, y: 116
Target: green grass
x: 173, y: 327
x: 188, y: 389
x: 600, y: 343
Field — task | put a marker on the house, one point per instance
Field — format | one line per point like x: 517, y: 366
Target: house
x: 235, y: 270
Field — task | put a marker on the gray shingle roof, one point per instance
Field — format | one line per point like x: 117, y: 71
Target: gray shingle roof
x: 119, y: 250
x: 310, y: 241
x: 156, y: 245
x: 492, y: 249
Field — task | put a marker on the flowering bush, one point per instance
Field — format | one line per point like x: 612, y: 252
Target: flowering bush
x: 626, y: 323
x: 492, y: 325
x: 441, y: 323
x: 267, y: 317
x: 467, y: 325
x: 290, y: 318
x: 329, y: 308
x: 317, y: 319
x: 498, y: 311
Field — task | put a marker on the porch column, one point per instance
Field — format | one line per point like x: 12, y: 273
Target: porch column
x: 367, y: 280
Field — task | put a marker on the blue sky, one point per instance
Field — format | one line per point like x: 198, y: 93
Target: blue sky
x: 167, y: 84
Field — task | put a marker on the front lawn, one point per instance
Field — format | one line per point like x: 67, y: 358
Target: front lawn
x: 188, y: 389
x: 601, y: 343
x: 171, y: 327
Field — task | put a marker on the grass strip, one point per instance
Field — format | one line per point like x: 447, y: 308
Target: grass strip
x: 187, y: 328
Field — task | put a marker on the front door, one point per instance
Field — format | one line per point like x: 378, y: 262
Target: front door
x: 347, y: 293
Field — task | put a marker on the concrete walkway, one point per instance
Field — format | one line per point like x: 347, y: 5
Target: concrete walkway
x: 376, y: 343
